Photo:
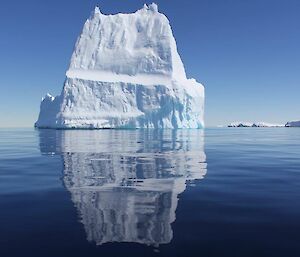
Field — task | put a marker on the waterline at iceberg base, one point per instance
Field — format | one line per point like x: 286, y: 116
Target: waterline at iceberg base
x: 125, y: 72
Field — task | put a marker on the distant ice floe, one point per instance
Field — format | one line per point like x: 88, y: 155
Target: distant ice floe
x: 256, y: 124
x: 263, y: 124
x: 293, y: 124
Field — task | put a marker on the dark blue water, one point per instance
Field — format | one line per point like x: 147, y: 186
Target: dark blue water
x: 218, y: 192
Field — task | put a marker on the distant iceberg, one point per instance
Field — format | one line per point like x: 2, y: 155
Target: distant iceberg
x: 255, y: 124
x: 293, y: 124
x: 125, y: 72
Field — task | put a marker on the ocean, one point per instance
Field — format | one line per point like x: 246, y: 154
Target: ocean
x: 212, y: 192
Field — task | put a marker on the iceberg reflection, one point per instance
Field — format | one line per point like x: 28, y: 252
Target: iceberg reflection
x: 125, y: 183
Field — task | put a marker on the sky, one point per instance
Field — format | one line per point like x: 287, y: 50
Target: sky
x: 246, y: 53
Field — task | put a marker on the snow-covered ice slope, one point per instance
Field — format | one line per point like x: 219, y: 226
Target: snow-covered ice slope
x: 125, y: 72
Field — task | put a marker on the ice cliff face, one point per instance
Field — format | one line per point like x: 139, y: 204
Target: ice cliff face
x: 125, y: 72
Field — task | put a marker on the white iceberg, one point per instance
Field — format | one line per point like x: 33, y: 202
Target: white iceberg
x: 240, y: 124
x: 255, y: 124
x: 125, y: 72
x: 293, y: 124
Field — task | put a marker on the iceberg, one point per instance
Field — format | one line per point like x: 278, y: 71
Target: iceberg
x: 240, y: 124
x: 293, y: 124
x: 125, y: 72
x: 254, y: 125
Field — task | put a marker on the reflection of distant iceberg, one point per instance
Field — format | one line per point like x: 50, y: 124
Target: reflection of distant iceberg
x: 124, y: 183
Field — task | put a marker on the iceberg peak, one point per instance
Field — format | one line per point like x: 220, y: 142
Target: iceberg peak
x: 96, y: 11
x: 48, y: 97
x: 145, y: 7
x: 151, y: 7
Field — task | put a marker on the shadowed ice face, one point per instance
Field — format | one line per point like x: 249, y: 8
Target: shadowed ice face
x: 125, y: 183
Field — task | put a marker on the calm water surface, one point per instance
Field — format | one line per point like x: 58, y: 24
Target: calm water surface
x: 218, y: 192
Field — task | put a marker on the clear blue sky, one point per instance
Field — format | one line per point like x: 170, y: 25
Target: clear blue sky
x: 245, y: 52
